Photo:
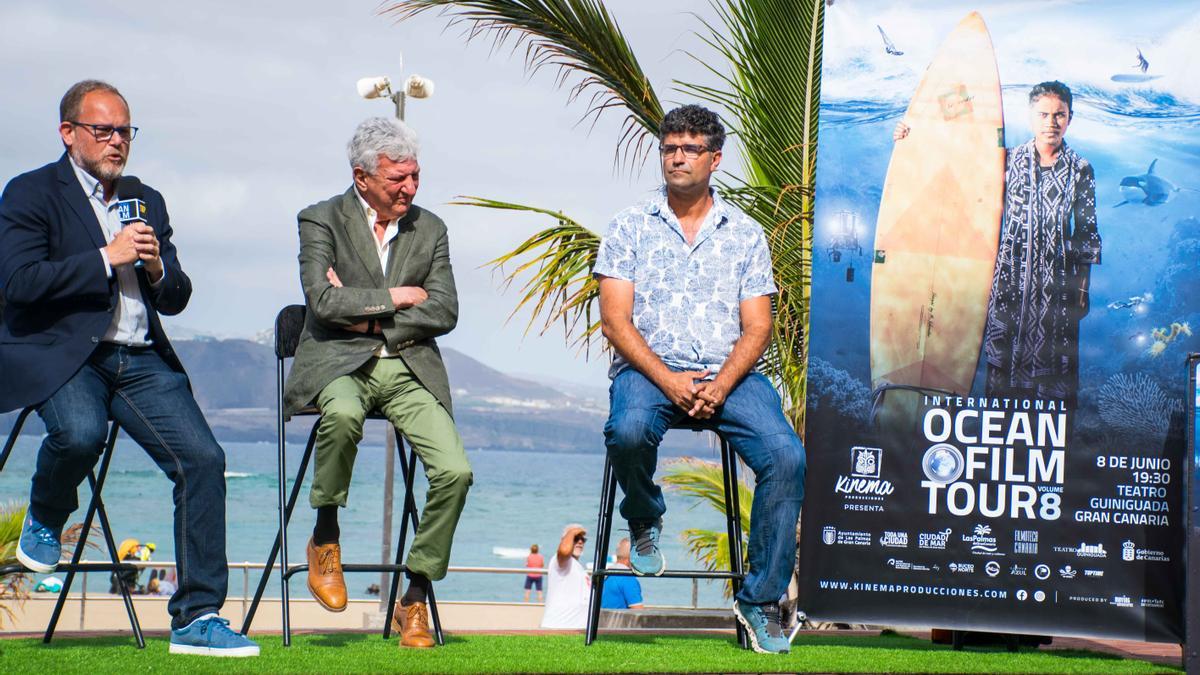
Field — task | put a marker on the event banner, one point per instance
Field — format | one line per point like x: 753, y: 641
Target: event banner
x: 1004, y: 292
x: 1191, y: 647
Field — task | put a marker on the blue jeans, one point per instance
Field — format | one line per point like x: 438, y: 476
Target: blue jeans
x: 752, y: 421
x: 153, y: 404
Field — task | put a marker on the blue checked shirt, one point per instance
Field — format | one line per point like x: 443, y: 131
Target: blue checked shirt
x: 686, y: 298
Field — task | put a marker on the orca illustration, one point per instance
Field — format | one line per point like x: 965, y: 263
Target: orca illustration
x: 1149, y: 188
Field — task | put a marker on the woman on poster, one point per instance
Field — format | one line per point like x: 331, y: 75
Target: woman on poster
x: 1048, y: 243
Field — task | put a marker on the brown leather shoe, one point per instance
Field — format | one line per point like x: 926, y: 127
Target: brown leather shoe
x: 412, y: 623
x: 325, y: 580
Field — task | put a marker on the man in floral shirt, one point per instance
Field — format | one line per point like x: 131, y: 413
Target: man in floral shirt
x: 685, y: 286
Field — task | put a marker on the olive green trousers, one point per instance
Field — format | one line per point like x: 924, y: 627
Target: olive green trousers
x: 387, y: 385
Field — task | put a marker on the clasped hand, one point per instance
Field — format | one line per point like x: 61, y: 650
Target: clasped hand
x: 692, y: 393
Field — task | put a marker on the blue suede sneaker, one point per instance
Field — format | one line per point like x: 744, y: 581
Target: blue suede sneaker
x: 39, y: 548
x: 209, y: 635
x: 645, y: 557
x: 762, y: 623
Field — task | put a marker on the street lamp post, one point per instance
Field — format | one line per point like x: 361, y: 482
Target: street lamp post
x: 369, y: 88
x: 381, y: 87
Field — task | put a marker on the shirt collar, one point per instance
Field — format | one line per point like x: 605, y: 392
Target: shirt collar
x: 369, y: 212
x: 91, y: 186
x: 657, y: 206
x: 390, y: 230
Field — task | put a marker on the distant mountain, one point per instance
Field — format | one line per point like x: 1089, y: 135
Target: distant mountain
x: 234, y: 382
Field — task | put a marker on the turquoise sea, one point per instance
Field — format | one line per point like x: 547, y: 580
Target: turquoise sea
x: 518, y: 498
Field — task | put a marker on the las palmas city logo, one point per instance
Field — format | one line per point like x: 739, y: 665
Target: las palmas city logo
x: 982, y: 541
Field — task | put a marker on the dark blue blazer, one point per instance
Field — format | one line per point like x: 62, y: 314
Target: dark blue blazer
x: 58, y: 298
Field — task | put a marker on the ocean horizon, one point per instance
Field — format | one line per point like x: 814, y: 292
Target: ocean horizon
x: 518, y: 498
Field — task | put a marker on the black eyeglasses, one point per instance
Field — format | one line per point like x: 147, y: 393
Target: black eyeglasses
x: 580, y: 540
x: 690, y: 151
x: 104, y: 132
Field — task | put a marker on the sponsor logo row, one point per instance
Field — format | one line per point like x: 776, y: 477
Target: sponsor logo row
x: 983, y: 543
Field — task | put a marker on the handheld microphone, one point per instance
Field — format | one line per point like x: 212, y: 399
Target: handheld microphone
x: 130, y: 206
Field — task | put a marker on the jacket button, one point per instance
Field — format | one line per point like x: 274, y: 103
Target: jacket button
x: 95, y: 340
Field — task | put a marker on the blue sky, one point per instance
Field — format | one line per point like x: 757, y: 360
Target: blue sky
x: 245, y: 109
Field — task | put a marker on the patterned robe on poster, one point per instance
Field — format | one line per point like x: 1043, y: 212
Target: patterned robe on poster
x: 1048, y: 242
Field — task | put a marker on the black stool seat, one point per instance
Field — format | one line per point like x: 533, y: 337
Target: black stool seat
x: 733, y: 524
x: 95, y: 509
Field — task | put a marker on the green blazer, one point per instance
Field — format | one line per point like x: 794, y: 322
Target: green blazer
x: 335, y: 233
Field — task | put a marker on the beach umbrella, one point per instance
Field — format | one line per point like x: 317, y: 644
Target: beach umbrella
x: 127, y: 546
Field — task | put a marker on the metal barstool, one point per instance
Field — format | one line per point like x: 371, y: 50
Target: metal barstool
x: 733, y: 524
x: 95, y: 509
x: 288, y: 325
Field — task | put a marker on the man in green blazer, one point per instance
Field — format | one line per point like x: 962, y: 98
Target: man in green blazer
x: 379, y: 288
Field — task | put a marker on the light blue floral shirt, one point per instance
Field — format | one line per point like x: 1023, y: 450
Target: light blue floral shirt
x: 686, y: 298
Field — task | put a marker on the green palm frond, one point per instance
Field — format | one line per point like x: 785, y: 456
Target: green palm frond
x: 12, y: 586
x: 771, y: 94
x: 558, y: 262
x: 768, y: 79
x: 576, y: 37
x: 705, y: 481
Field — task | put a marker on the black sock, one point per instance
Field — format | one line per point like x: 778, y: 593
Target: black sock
x: 326, y: 530
x: 418, y: 589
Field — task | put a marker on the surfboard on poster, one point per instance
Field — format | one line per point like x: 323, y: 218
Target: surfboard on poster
x: 938, y: 229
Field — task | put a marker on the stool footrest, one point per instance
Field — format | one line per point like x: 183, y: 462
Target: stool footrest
x: 671, y: 574
x: 351, y: 567
x: 68, y: 567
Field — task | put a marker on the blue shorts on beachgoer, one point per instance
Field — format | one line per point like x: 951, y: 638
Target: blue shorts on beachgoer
x: 532, y: 581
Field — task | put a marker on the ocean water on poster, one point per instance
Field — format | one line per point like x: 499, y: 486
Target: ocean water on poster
x: 1149, y: 249
x: 518, y: 499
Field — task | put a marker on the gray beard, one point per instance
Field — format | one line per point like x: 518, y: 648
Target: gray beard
x: 98, y: 170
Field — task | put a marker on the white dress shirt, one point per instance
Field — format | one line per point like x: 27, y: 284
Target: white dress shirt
x: 383, y: 249
x: 130, y: 323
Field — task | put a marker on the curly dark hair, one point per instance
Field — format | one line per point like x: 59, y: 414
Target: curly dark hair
x: 696, y: 120
x: 1053, y: 88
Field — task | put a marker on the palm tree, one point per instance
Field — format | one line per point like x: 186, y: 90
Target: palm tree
x: 15, y: 586
x: 768, y: 90
x: 12, y: 586
x: 706, y: 482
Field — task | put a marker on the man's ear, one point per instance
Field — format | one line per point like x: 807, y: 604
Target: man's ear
x: 67, y: 131
x: 360, y: 178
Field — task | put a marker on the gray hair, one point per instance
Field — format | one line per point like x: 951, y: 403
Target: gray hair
x: 385, y: 136
x: 72, y: 101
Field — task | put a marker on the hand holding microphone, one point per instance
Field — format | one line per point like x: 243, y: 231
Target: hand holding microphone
x: 131, y: 211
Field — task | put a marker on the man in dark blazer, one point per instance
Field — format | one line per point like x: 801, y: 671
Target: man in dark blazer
x: 81, y: 341
x: 379, y: 288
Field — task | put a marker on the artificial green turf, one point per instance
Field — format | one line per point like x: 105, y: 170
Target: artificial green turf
x: 354, y: 652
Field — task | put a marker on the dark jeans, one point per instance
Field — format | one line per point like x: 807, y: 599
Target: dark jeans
x: 752, y: 421
x: 152, y: 404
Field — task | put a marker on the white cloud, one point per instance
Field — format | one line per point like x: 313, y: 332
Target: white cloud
x: 245, y: 109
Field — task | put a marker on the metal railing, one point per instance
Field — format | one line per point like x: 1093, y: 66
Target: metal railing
x: 246, y: 568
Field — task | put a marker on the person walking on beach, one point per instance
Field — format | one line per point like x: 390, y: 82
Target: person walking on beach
x: 620, y: 591
x: 567, y: 583
x: 379, y: 289
x: 80, y: 340
x: 685, y: 286
x: 534, y: 561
